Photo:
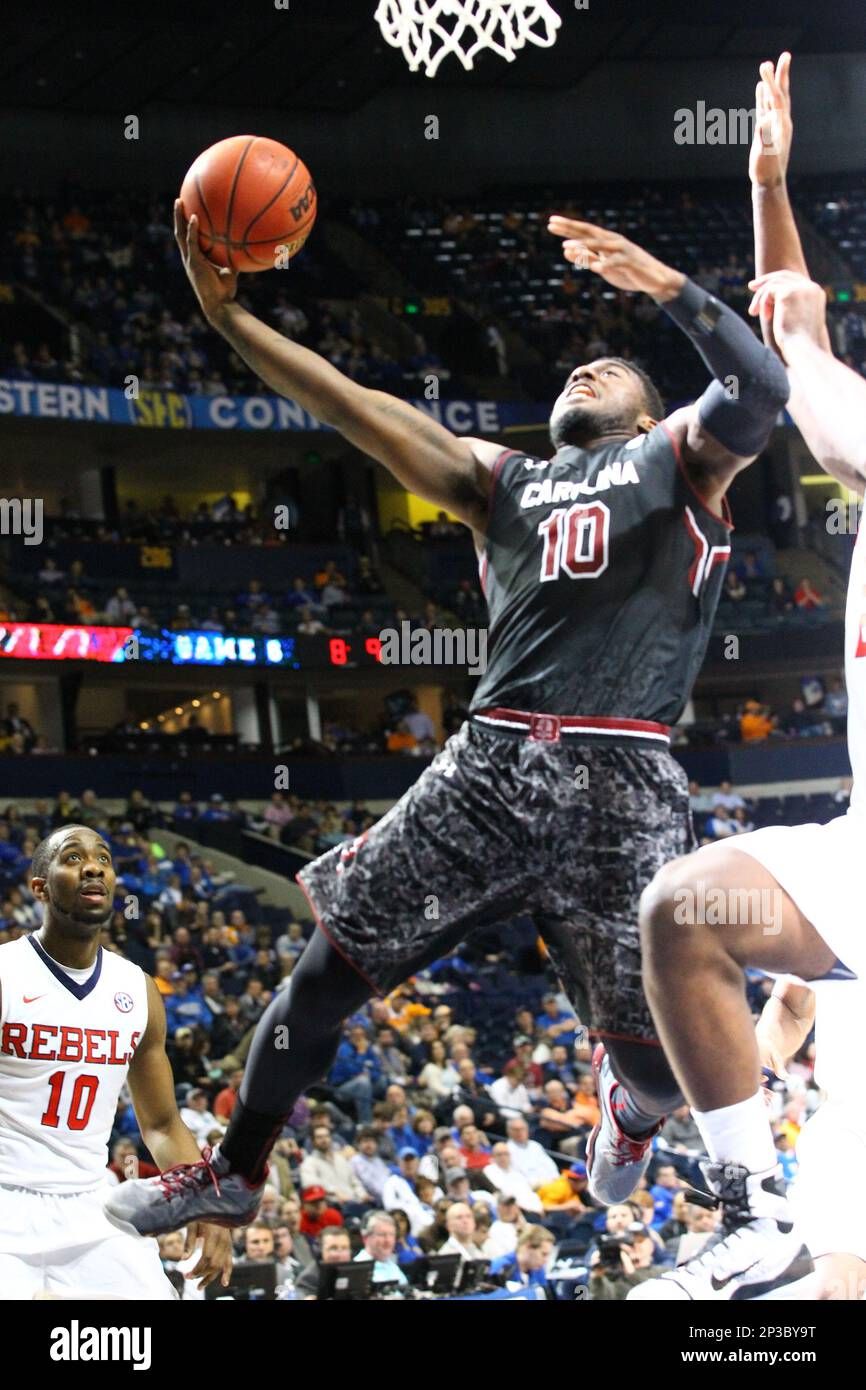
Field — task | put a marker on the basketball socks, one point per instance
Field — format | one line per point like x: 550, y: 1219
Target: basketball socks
x: 632, y: 1120
x: 248, y: 1141
x: 740, y: 1134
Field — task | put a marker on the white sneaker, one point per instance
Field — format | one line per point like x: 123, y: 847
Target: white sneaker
x: 757, y: 1249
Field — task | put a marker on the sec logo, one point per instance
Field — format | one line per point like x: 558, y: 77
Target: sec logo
x: 123, y: 1002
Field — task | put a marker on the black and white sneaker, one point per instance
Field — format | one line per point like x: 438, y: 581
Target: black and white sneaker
x: 757, y: 1249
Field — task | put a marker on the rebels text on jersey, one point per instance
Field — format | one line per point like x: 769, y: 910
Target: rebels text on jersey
x: 602, y: 571
x: 65, y: 1050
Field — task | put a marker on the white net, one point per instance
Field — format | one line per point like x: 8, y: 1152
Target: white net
x: 429, y: 30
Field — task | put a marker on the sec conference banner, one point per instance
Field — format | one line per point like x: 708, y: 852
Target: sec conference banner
x: 37, y: 400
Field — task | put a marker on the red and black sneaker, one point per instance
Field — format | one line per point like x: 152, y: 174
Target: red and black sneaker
x: 615, y: 1162
x: 203, y: 1191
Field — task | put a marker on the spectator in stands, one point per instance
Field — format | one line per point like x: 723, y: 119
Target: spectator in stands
x: 326, y: 1167
x: 565, y: 1117
x: 727, y: 797
x: 367, y: 1165
x: 527, y: 1266
x: 403, y: 1190
x: 555, y: 1023
x: 750, y: 567
x: 510, y: 1093
x: 120, y: 609
x: 735, y: 589
x: 356, y: 1074
x: 197, y: 1116
x: 720, y: 824
x: 393, y: 1061
x: 50, y: 572
x: 528, y: 1157
x: 474, y: 1148
x: 743, y: 821
x: 680, y: 1132
x: 380, y: 1238
x: 473, y: 1094
x: 420, y: 725
x: 308, y: 626
x: 501, y: 1174
x: 806, y: 596
x: 756, y: 722
x: 504, y: 1231
x: 781, y: 600
x: 15, y: 725
x: 336, y: 1249
x: 460, y: 1223
x: 316, y: 1214
x: 227, y: 1098
x: 562, y: 1193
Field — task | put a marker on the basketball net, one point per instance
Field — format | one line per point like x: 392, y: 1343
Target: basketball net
x: 428, y: 30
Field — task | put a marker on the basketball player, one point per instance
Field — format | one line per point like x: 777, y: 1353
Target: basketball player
x: 832, y: 1145
x: 75, y: 1020
x: 789, y: 902
x: 602, y: 568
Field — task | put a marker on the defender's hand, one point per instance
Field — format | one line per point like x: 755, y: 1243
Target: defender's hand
x: 771, y: 144
x: 215, y: 1261
x: 796, y: 305
x: 616, y: 259
x: 213, y: 287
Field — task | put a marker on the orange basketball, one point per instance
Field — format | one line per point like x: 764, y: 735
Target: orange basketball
x: 254, y: 199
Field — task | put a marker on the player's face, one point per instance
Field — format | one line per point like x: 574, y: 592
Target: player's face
x: 598, y: 398
x: 78, y: 891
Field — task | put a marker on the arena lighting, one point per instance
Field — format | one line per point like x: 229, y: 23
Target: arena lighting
x: 196, y: 704
x: 178, y: 709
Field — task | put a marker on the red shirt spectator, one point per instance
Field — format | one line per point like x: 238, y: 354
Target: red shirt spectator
x: 227, y: 1098
x: 315, y: 1212
x: 805, y: 596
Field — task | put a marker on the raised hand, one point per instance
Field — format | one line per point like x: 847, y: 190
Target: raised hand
x: 794, y: 303
x: 616, y: 259
x: 213, y: 286
x: 771, y: 144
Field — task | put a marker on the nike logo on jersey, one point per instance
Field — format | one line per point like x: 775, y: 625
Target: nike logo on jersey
x: 31, y: 998
x: 547, y: 492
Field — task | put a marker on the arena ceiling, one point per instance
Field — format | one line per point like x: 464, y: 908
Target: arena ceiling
x: 329, y: 55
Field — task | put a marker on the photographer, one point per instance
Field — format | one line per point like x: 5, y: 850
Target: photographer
x: 620, y: 1262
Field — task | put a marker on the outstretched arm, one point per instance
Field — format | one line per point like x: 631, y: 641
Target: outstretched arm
x: 785, y: 1024
x: 424, y: 456
x: 777, y: 240
x: 151, y: 1086
x: 731, y: 423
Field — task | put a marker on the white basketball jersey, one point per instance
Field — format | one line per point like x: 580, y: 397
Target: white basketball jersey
x: 855, y: 671
x: 65, y: 1049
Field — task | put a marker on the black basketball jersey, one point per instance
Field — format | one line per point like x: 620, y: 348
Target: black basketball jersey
x: 602, y: 570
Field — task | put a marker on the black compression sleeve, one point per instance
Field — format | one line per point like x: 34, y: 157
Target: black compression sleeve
x: 740, y: 407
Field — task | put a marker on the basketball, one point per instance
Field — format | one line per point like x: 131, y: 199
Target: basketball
x: 254, y: 199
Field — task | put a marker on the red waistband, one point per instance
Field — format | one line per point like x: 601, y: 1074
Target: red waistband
x: 549, y: 727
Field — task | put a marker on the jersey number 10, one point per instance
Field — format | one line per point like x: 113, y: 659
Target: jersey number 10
x: 576, y: 541
x: 80, y: 1102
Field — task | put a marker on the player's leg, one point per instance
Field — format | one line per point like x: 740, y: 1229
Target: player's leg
x: 293, y: 1047
x: 616, y: 838
x: 703, y: 919
x: 388, y: 904
x: 120, y: 1267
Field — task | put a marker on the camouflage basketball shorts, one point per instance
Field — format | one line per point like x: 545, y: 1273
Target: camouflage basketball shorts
x: 499, y: 826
